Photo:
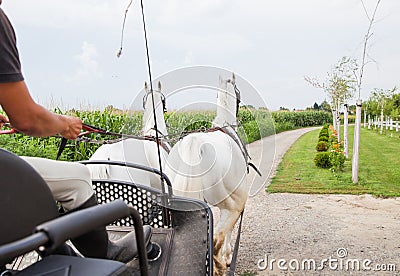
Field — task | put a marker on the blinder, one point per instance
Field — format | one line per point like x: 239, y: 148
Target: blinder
x: 237, y: 92
x: 163, y: 101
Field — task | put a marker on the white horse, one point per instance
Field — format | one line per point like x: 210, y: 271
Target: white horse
x: 142, y: 152
x: 211, y: 166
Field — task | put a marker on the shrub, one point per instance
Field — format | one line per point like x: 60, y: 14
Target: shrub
x: 322, y: 160
x: 337, y: 161
x: 323, y: 132
x: 323, y: 139
x: 322, y: 146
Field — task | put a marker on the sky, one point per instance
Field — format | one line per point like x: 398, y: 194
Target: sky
x: 68, y: 47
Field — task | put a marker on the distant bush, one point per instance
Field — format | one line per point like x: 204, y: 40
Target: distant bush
x: 323, y: 160
x: 322, y: 146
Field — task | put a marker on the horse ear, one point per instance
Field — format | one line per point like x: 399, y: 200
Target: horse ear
x: 159, y: 86
x: 233, y: 78
x: 145, y: 86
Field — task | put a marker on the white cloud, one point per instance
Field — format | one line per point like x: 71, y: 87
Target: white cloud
x: 88, y: 69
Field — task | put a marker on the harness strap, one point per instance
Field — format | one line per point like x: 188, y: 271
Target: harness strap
x: 236, y: 248
x: 254, y: 168
x: 241, y: 145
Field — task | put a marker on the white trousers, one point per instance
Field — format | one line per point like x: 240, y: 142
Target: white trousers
x: 69, y: 182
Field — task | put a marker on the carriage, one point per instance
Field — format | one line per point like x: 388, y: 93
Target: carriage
x: 181, y: 229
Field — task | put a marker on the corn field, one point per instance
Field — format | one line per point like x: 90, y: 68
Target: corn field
x: 253, y: 125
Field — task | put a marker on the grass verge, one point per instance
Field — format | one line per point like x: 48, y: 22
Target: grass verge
x: 379, y: 174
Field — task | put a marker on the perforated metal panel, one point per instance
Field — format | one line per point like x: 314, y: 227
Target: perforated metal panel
x: 191, y: 250
x: 146, y: 200
x: 24, y: 261
x: 192, y: 240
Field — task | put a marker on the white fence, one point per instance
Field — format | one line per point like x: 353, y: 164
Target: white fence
x: 387, y: 123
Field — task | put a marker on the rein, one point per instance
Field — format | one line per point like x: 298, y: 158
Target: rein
x: 88, y: 129
x: 8, y: 131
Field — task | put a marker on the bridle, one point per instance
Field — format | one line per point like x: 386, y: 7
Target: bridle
x: 237, y: 93
x: 163, y: 101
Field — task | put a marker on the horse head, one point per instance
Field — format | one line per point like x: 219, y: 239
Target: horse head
x: 159, y: 109
x: 228, y: 99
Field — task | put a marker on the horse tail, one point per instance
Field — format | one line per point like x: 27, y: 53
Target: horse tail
x: 100, y: 171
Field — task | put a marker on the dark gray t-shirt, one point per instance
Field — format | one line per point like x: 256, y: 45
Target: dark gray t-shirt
x: 10, y: 65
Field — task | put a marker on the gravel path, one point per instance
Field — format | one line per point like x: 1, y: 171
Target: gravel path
x: 295, y: 227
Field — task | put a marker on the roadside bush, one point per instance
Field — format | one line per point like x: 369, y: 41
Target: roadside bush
x: 323, y: 160
x: 337, y: 161
x: 322, y: 146
x: 334, y: 160
x: 323, y: 139
x: 323, y: 132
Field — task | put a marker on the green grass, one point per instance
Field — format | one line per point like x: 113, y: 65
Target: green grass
x: 378, y: 168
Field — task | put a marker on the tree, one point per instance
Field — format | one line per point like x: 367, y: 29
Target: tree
x: 325, y: 86
x: 339, y: 86
x: 359, y: 77
x: 325, y: 106
x: 381, y: 97
x: 316, y: 106
x: 342, y: 83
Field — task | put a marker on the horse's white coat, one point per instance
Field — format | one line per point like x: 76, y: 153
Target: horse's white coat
x: 131, y: 150
x: 211, y: 166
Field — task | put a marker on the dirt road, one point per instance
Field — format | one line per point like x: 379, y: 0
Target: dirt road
x: 337, y: 232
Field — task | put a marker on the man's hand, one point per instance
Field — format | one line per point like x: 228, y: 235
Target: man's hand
x: 3, y: 119
x: 74, y: 126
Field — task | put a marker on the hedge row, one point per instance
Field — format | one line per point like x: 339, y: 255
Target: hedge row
x: 329, y: 151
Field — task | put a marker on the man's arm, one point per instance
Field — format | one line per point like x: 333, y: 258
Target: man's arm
x: 32, y: 119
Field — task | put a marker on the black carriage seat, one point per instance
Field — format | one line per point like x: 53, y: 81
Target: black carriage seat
x: 30, y: 221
